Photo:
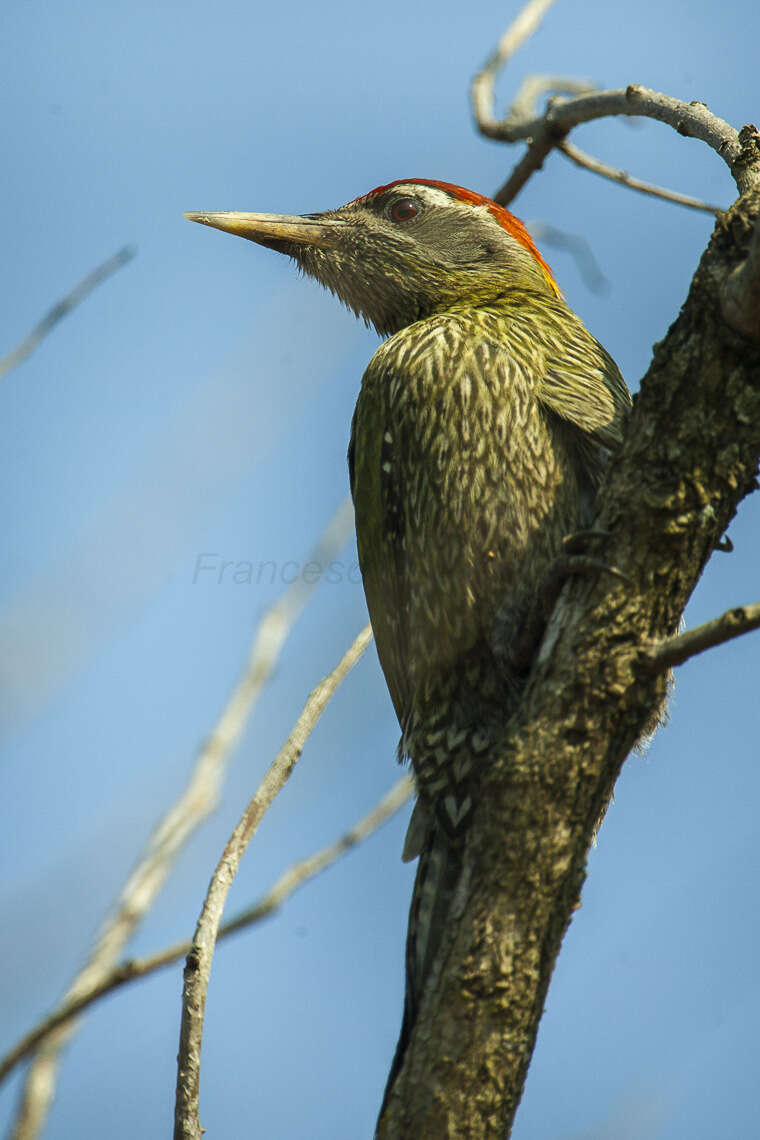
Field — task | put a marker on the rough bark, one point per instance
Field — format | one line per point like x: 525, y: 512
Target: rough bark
x: 689, y: 457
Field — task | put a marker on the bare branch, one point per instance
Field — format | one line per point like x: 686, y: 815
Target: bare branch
x: 291, y: 879
x: 588, y: 162
x: 198, y: 965
x: 194, y: 805
x: 673, y: 651
x: 96, y: 277
x: 693, y: 120
x: 531, y: 161
x: 741, y: 293
x: 545, y: 131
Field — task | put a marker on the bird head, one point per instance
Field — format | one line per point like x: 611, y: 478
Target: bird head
x: 404, y: 251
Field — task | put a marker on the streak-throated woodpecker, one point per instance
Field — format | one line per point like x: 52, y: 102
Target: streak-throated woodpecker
x: 478, y: 443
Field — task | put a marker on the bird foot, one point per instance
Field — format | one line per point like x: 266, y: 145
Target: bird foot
x: 578, y: 542
x: 569, y: 563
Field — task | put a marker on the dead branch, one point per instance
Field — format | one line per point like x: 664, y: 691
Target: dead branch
x: 672, y: 651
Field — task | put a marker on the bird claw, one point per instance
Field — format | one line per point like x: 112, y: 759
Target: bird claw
x: 532, y: 629
x: 576, y: 542
x: 575, y: 560
x: 565, y: 567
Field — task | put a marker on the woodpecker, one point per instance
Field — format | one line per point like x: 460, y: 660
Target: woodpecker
x: 480, y: 436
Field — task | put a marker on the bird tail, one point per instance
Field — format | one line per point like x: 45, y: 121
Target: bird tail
x: 438, y: 873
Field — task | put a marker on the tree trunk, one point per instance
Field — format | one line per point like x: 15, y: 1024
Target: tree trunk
x: 689, y: 457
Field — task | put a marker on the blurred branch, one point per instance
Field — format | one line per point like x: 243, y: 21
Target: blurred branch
x: 194, y: 805
x: 286, y: 885
x: 198, y: 964
x: 527, y: 21
x: 544, y: 131
x: 678, y: 649
x: 588, y: 162
x: 578, y: 248
x: 64, y: 306
x: 533, y: 87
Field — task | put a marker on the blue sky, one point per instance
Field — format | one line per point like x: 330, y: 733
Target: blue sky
x: 200, y: 402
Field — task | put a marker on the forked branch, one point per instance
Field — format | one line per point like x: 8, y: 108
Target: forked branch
x: 289, y: 882
x: 548, y: 129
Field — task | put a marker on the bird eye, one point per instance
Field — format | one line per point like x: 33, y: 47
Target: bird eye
x: 404, y: 209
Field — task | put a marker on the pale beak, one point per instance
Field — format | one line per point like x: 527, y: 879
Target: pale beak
x: 274, y: 229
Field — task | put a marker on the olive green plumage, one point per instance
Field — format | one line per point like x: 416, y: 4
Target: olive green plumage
x: 478, y: 443
x: 474, y: 452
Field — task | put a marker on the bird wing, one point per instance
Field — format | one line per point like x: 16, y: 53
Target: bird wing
x: 582, y: 383
x: 574, y: 376
x: 378, y: 505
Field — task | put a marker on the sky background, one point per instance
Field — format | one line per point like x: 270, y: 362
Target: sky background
x: 199, y: 403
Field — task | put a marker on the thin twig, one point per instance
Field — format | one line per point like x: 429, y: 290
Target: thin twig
x: 198, y: 964
x: 64, y: 306
x: 291, y: 879
x: 533, y: 159
x: 194, y: 805
x: 588, y: 162
x: 741, y: 292
x: 675, y: 650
